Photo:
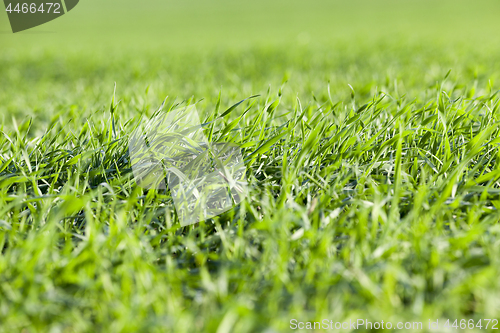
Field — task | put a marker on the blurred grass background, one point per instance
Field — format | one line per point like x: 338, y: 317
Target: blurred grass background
x: 170, y: 25
x: 187, y: 48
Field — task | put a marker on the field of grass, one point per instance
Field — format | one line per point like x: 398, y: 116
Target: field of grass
x: 372, y: 153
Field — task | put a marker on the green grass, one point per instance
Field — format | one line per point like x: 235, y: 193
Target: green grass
x: 373, y: 166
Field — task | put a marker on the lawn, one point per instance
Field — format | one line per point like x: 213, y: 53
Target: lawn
x: 372, y: 155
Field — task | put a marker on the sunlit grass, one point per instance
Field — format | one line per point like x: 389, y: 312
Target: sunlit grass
x: 373, y: 177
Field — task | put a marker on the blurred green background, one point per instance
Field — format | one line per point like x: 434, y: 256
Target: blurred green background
x: 198, y: 48
x: 109, y: 24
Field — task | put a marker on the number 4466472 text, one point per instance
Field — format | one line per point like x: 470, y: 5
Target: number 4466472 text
x: 25, y: 8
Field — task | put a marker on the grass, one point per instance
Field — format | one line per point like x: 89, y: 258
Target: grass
x: 373, y: 174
